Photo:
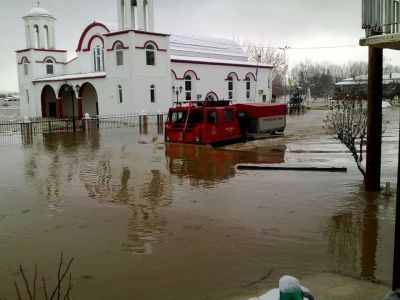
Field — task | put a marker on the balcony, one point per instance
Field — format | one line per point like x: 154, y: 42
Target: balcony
x: 381, y: 22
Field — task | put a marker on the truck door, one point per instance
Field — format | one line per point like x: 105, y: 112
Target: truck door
x: 230, y: 126
x: 212, y: 125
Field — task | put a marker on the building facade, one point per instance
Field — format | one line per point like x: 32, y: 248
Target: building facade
x: 127, y: 68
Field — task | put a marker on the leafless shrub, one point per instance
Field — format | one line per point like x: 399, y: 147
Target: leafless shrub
x: 56, y: 293
x: 347, y: 122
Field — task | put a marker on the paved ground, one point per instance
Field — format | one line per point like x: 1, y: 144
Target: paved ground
x: 327, y: 286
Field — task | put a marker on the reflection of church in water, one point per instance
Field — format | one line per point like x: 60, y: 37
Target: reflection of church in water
x: 142, y: 186
x: 129, y: 68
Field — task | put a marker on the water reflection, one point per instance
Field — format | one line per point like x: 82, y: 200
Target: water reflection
x: 205, y: 166
x: 63, y: 164
x: 353, y: 234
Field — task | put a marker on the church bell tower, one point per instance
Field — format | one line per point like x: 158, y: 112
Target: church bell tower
x: 136, y: 14
x: 39, y: 29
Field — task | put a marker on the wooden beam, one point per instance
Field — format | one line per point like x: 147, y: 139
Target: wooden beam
x: 374, y: 127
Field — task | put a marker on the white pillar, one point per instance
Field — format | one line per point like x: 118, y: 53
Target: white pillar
x: 141, y: 24
x: 120, y: 15
x: 150, y: 16
x: 28, y: 36
x: 52, y: 35
x: 33, y: 35
x: 42, y: 36
x: 132, y: 22
x: 128, y: 14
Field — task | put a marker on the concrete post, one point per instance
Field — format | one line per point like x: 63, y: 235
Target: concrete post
x: 88, y: 123
x: 160, y: 122
x: 27, y: 130
x: 143, y: 123
x: 374, y: 128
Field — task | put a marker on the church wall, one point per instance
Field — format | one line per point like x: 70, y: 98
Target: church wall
x: 212, y: 78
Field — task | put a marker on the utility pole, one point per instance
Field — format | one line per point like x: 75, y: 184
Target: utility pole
x: 286, y: 67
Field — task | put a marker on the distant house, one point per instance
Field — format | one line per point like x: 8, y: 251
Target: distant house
x: 127, y: 68
x: 357, y: 87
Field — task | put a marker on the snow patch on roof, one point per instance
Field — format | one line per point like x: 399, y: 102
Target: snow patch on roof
x: 218, y: 61
x: 38, y: 12
x: 198, y: 45
x: 362, y: 79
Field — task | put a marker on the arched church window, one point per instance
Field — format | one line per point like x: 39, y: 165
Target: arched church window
x: 49, y: 67
x: 119, y: 54
x: 98, y: 57
x: 248, y: 87
x: 153, y: 93
x: 150, y: 55
x: 188, y: 87
x: 230, y: 87
x: 25, y: 64
x: 120, y: 93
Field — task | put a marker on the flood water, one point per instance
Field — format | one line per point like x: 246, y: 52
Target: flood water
x: 145, y: 220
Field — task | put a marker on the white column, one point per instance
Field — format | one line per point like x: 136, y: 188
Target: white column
x: 32, y: 34
x: 28, y: 36
x: 42, y: 36
x: 120, y: 12
x: 52, y: 35
x: 141, y: 24
x: 128, y: 14
x: 132, y: 22
x: 150, y: 16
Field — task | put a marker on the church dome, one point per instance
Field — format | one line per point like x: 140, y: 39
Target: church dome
x: 38, y: 12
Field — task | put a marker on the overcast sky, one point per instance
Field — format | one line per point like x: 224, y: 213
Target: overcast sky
x: 277, y: 23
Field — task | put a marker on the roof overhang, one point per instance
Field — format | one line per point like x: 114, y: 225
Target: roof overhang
x: 97, y: 75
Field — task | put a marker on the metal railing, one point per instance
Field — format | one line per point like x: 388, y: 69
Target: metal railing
x: 54, y: 125
x: 380, y: 17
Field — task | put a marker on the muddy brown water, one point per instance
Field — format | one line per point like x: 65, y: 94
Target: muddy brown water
x: 145, y: 220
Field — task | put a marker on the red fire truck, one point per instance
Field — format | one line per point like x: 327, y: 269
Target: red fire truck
x: 220, y: 122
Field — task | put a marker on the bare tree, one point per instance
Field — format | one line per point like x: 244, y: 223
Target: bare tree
x: 273, y: 56
x: 347, y: 122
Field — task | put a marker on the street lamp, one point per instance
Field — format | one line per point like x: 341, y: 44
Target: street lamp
x: 286, y: 66
x: 177, y: 91
x: 69, y: 89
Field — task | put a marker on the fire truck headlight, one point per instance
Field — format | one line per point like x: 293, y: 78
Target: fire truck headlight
x: 167, y: 139
x: 197, y: 139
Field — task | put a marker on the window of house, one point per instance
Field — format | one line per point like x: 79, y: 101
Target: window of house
x: 248, y: 88
x: 98, y: 57
x: 27, y: 96
x: 150, y: 55
x: 152, y: 93
x: 50, y: 67
x: 188, y: 87
x: 119, y: 54
x: 230, y: 88
x: 120, y: 93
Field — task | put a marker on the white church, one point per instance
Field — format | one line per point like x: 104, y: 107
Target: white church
x: 127, y: 68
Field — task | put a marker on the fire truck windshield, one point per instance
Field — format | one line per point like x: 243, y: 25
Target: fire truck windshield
x: 195, y: 117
